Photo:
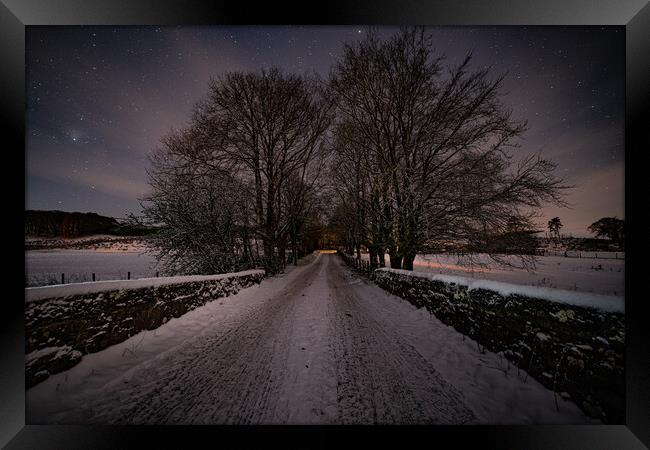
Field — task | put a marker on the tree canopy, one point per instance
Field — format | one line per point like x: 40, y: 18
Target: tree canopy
x: 404, y: 151
x: 237, y: 187
x: 426, y: 153
x: 611, y: 228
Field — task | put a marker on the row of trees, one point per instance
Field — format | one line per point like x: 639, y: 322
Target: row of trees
x: 611, y: 228
x: 402, y: 152
x: 238, y: 187
x: 424, y: 154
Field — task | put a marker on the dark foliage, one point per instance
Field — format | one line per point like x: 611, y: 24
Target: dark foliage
x: 76, y: 224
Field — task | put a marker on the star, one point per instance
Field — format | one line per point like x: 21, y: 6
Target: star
x: 105, y: 96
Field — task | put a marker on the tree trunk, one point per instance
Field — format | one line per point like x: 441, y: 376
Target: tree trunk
x: 372, y: 253
x: 249, y: 251
x: 408, y: 261
x: 395, y: 262
x: 294, y: 254
x: 281, y: 257
x: 268, y: 257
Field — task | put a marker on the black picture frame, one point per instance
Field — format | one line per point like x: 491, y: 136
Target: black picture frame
x: 15, y: 15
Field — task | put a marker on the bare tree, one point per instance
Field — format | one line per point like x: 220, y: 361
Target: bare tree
x: 437, y: 146
x: 263, y: 132
x: 554, y: 226
x: 203, y: 215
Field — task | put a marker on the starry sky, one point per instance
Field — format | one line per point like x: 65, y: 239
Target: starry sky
x: 100, y: 98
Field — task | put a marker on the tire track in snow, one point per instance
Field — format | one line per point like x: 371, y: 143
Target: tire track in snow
x: 381, y: 377
x: 312, y: 352
x: 316, y: 345
x: 309, y: 393
x: 231, y: 376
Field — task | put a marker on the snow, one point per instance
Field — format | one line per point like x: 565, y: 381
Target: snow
x: 314, y: 345
x: 608, y: 303
x: 598, y: 276
x: 496, y: 391
x: 58, y: 352
x: 46, y: 266
x: 66, y: 290
x: 63, y: 395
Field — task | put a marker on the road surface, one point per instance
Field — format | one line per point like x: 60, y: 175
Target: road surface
x: 318, y: 345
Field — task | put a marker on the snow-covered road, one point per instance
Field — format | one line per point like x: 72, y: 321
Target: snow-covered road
x: 317, y: 345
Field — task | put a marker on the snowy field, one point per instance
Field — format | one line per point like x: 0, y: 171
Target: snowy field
x: 44, y: 267
x: 593, y: 275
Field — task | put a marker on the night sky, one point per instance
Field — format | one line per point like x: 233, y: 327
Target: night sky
x: 100, y: 98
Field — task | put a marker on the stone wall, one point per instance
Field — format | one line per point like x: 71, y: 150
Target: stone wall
x: 59, y: 330
x: 576, y: 351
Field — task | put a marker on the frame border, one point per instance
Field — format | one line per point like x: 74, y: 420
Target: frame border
x: 15, y: 15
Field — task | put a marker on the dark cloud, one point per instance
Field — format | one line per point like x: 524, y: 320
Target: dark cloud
x: 100, y: 98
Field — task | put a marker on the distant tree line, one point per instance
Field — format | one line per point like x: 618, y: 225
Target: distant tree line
x: 612, y: 229
x: 397, y: 152
x: 76, y: 224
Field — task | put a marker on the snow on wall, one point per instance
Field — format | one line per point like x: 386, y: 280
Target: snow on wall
x: 64, y: 322
x: 93, y: 287
x: 608, y: 303
x: 567, y: 344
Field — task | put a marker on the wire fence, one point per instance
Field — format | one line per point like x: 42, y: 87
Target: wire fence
x: 581, y: 254
x: 35, y: 277
x: 55, y: 278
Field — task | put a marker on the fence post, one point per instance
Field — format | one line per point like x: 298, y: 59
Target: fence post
x: 93, y: 277
x: 62, y: 278
x: 128, y: 275
x: 156, y: 274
